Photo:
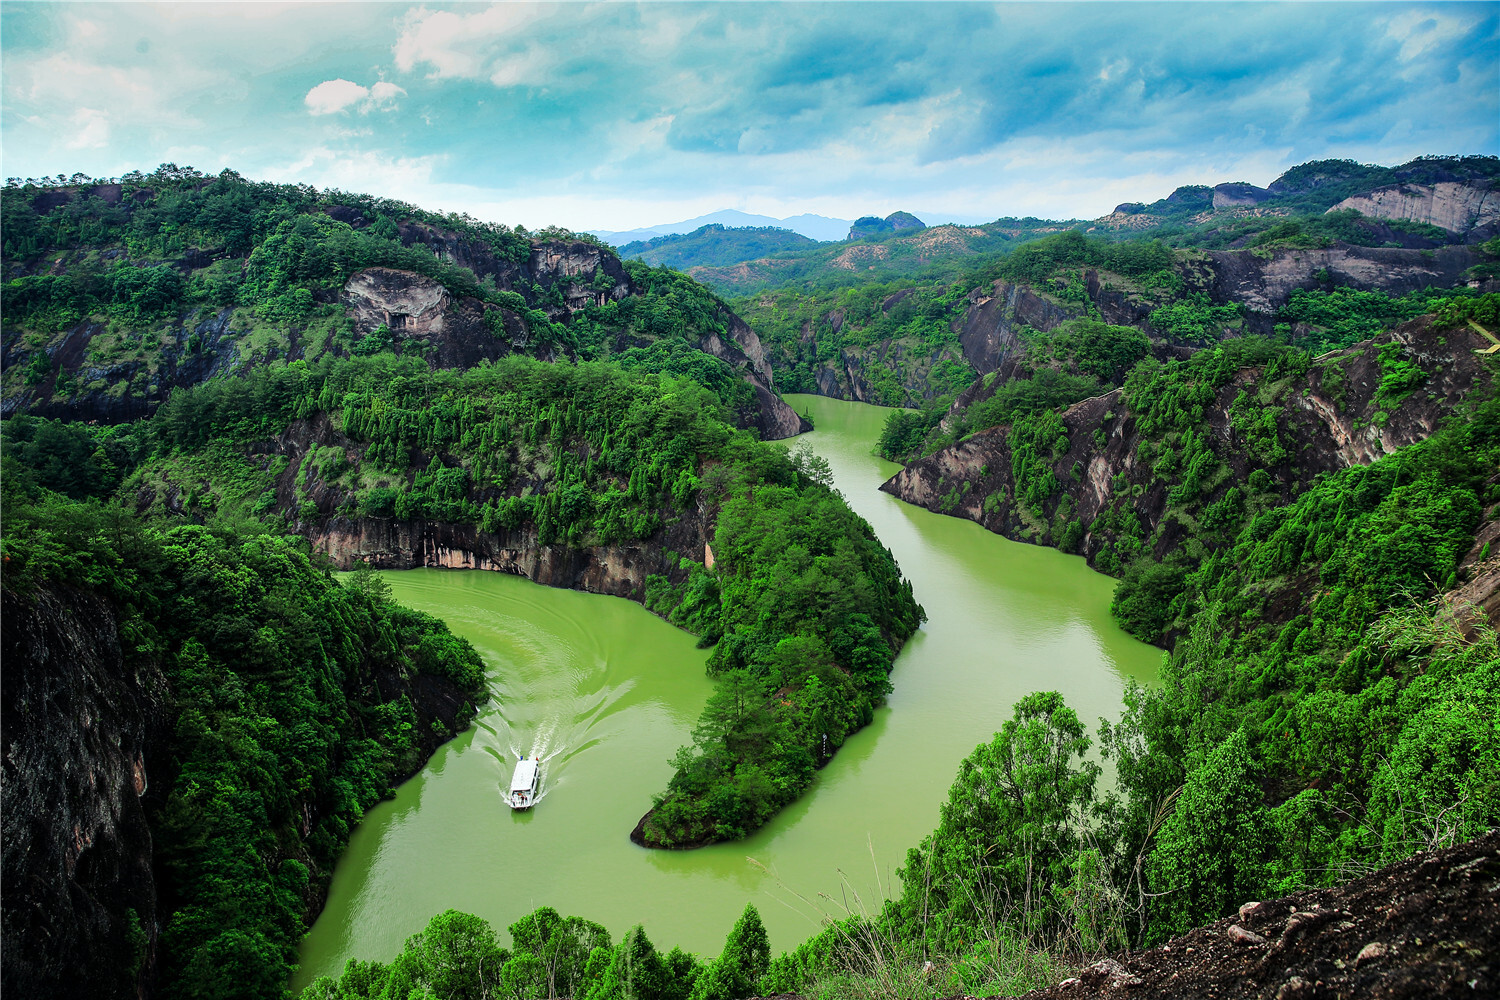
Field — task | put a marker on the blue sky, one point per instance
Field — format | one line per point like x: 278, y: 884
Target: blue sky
x: 610, y: 116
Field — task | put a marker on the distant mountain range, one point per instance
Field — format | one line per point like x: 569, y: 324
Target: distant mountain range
x: 816, y: 227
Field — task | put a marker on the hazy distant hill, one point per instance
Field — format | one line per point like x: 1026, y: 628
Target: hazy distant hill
x: 814, y: 227
x: 715, y: 246
x: 822, y: 228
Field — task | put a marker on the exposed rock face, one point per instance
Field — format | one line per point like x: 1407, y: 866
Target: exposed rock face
x: 1237, y: 193
x: 1264, y: 285
x: 1457, y: 207
x: 82, y: 736
x: 874, y: 225
x: 1261, y: 284
x: 405, y: 302
x: 617, y: 570
x: 460, y: 332
x: 1428, y: 926
x: 1326, y: 424
x: 988, y: 330
x: 202, y: 346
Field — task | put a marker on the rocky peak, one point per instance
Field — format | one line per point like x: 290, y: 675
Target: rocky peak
x: 1237, y: 193
x: 872, y: 225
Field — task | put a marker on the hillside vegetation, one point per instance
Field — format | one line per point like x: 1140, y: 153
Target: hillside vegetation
x: 714, y: 245
x: 292, y: 705
x: 117, y: 293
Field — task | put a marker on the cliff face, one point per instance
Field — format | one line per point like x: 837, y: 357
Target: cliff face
x: 89, y: 755
x: 83, y: 738
x: 1470, y: 207
x: 1328, y: 422
x: 387, y: 543
x: 989, y: 328
x: 1263, y: 284
x: 617, y: 570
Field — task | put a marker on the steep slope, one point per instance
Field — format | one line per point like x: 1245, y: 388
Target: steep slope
x: 194, y: 720
x: 1428, y: 926
x: 116, y: 294
x: 1119, y: 475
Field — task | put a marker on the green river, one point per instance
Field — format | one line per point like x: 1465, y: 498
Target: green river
x: 609, y: 692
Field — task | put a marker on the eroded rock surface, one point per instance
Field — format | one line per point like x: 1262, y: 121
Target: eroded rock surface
x: 81, y: 737
x: 1459, y: 207
x: 1327, y: 422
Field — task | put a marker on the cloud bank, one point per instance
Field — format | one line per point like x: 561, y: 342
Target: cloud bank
x: 613, y: 115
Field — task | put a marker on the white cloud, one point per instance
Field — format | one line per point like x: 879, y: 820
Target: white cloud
x: 527, y: 68
x: 460, y: 45
x: 93, y: 129
x: 383, y: 93
x: 332, y: 96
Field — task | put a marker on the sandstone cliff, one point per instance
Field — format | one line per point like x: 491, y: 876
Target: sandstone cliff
x: 387, y: 543
x: 1470, y: 208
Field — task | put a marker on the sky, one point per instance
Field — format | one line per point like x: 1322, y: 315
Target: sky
x: 617, y: 115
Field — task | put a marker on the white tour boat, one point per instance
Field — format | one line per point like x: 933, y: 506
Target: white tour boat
x: 525, y: 783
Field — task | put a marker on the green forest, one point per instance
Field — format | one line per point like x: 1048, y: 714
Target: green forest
x: 1281, y: 750
x: 1322, y: 709
x: 291, y: 699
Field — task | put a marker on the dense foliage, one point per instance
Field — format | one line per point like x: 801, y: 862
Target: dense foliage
x: 806, y: 608
x: 714, y: 246
x: 290, y: 706
x: 457, y: 957
x: 178, y: 271
x: 804, y: 333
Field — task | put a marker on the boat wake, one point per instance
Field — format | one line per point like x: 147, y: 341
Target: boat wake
x: 545, y: 746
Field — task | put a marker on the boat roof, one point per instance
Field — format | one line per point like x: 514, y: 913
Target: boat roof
x: 524, y: 777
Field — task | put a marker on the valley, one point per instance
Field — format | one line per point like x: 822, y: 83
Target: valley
x: 621, y: 690
x: 320, y: 505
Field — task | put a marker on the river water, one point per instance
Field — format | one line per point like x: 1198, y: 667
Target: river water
x: 607, y: 692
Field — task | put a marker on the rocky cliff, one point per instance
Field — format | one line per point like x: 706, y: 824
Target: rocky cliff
x: 617, y: 570
x: 83, y: 737
x: 90, y: 751
x: 1334, y: 418
x: 459, y: 333
x: 1259, y: 282
x: 388, y: 543
x: 1470, y: 208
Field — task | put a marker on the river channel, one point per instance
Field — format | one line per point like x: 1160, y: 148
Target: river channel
x: 608, y: 692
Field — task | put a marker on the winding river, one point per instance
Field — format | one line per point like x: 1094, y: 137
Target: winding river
x: 607, y: 692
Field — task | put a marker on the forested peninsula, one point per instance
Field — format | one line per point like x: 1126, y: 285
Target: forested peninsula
x: 1280, y: 435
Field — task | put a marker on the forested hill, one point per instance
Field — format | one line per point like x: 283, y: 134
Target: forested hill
x: 117, y: 292
x: 1323, y: 256
x: 714, y: 245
